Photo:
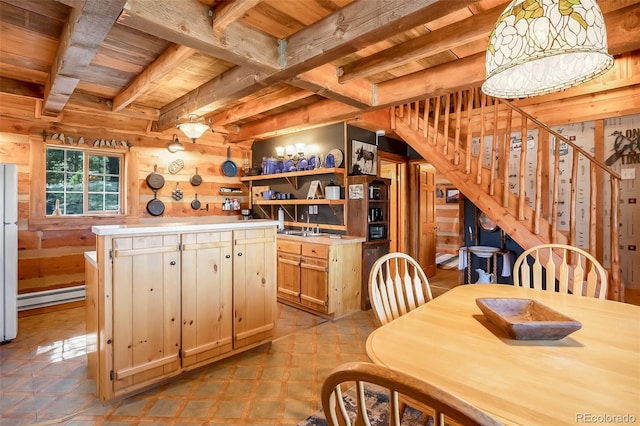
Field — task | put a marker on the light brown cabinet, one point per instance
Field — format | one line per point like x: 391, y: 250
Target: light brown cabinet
x: 168, y: 303
x: 145, y: 308
x: 320, y: 278
x: 207, y: 295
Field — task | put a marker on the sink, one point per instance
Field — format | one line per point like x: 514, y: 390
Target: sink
x: 301, y: 233
x: 483, y: 251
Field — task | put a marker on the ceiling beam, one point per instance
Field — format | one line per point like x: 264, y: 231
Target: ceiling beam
x: 147, y: 79
x: 21, y: 88
x: 359, y: 24
x: 314, y: 115
x: 258, y: 105
x: 96, y: 105
x: 439, y: 80
x: 81, y: 37
x: 446, y: 38
x: 324, y: 82
x: 230, y: 12
x: 234, y: 84
x: 189, y: 23
x: 343, y: 32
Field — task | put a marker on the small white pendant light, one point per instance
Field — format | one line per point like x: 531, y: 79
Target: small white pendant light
x: 193, y: 129
x: 544, y: 46
x: 175, y: 145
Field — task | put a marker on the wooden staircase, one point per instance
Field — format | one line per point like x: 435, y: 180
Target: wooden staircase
x: 455, y: 132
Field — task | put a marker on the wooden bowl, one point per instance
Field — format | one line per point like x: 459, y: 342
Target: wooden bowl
x: 527, y: 319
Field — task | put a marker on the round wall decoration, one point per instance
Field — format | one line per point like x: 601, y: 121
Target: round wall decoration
x: 486, y: 223
x: 176, y: 166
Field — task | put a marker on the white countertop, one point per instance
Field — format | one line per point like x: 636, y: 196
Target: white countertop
x: 91, y: 257
x: 183, y: 226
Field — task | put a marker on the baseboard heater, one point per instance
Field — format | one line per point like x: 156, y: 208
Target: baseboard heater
x: 58, y: 296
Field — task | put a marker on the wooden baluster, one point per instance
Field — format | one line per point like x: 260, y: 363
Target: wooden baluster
x: 554, y: 199
x: 507, y: 158
x: 573, y: 199
x: 494, y: 146
x: 456, y: 148
x: 416, y: 115
x: 436, y: 121
x: 401, y: 111
x: 538, y: 200
x: 447, y: 114
x: 616, y: 290
x: 425, y: 120
x: 408, y: 114
x: 467, y: 165
x: 483, y: 99
x: 593, y: 201
x: 523, y: 169
x: 545, y: 159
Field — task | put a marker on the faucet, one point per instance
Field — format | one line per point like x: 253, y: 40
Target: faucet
x: 302, y: 218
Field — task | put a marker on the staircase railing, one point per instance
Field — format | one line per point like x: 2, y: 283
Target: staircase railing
x: 479, y: 135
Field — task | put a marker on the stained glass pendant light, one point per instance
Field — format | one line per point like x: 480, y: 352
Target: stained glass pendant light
x: 544, y: 46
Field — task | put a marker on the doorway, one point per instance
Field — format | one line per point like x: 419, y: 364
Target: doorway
x: 394, y: 167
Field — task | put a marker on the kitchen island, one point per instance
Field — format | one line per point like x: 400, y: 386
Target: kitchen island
x: 165, y: 299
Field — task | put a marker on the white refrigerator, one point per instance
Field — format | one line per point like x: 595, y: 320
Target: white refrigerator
x: 8, y: 252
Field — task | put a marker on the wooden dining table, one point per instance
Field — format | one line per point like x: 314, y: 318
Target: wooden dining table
x: 592, y: 376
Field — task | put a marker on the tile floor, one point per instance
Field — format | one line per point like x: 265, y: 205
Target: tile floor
x: 44, y: 376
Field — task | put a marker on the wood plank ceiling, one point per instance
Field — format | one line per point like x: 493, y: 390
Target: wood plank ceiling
x: 254, y: 67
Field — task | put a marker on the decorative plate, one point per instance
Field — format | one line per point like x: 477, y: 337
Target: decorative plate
x: 337, y: 156
x: 486, y: 223
x: 176, y: 166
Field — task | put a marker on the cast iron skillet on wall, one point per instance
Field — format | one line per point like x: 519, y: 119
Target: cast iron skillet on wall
x: 155, y: 207
x: 155, y: 180
x: 195, y: 204
x: 196, y: 179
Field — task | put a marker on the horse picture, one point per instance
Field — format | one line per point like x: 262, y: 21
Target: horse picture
x: 364, y: 158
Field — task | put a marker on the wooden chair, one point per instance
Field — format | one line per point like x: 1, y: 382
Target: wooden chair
x: 397, y: 285
x: 581, y: 274
x: 395, y: 384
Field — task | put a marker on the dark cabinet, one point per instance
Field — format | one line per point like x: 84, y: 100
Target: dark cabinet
x: 368, y: 217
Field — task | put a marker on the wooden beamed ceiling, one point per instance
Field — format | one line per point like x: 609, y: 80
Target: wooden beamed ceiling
x: 256, y: 68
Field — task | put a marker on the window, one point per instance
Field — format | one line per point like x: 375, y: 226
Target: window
x: 82, y: 182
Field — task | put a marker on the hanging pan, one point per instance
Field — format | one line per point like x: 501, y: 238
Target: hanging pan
x: 196, y: 179
x: 155, y: 207
x: 229, y: 168
x: 155, y: 180
x: 195, y: 204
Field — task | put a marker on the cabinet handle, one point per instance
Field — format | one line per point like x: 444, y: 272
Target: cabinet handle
x: 240, y: 254
x: 228, y: 256
x: 172, y: 263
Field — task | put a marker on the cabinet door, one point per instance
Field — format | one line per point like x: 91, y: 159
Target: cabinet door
x: 146, y: 308
x: 314, y: 279
x: 207, y: 295
x: 289, y: 276
x: 254, y: 285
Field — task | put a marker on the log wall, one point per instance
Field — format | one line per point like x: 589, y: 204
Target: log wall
x: 51, y: 249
